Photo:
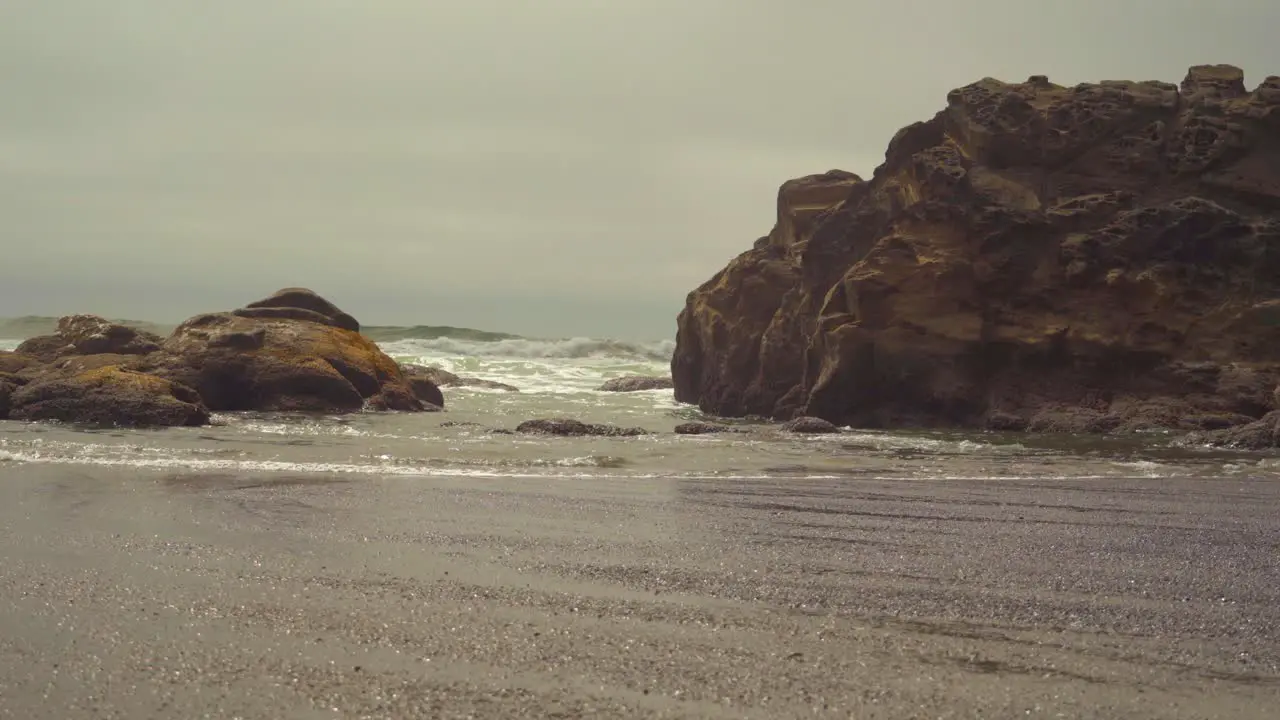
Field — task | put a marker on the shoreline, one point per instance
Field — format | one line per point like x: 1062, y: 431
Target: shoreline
x: 259, y: 594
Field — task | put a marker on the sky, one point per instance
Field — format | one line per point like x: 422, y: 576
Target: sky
x: 555, y: 168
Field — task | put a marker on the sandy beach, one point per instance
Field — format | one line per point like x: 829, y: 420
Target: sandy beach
x: 139, y: 594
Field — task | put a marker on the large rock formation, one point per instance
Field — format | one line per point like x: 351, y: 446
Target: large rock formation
x: 294, y: 351
x: 1099, y: 257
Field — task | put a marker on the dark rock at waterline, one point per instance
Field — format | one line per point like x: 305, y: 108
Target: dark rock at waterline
x: 89, y: 335
x: 7, y: 387
x: 423, y: 384
x: 1033, y: 256
x: 810, y: 426
x: 702, y: 428
x: 444, y: 378
x: 1006, y: 422
x: 108, y: 396
x: 305, y: 300
x: 1128, y: 415
x: 1262, y: 434
x: 575, y: 428
x: 635, y: 383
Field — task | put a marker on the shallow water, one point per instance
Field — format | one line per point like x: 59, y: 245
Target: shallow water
x: 559, y: 379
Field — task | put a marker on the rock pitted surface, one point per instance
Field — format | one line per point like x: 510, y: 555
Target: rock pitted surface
x: 1103, y: 257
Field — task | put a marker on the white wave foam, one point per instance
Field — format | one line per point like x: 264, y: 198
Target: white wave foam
x: 576, y: 367
x: 580, y: 347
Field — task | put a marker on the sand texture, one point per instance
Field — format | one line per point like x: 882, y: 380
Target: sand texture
x: 127, y: 594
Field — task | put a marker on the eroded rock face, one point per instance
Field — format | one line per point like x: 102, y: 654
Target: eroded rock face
x: 107, y: 396
x: 1107, y: 252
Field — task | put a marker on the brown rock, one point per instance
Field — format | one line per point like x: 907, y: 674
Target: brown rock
x: 12, y: 362
x: 1262, y: 434
x: 282, y: 362
x: 305, y: 300
x: 7, y: 387
x: 89, y: 335
x: 1033, y: 256
x: 423, y: 384
x: 636, y: 383
x: 108, y: 396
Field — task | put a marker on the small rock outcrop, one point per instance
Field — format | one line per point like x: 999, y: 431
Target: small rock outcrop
x: 422, y: 383
x: 443, y: 378
x: 1099, y: 258
x: 108, y: 396
x: 809, y: 426
x: 702, y: 428
x: 293, y: 351
x: 636, y: 383
x: 570, y: 427
x: 89, y: 335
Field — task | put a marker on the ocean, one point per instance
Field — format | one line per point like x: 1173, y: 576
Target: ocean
x: 560, y: 378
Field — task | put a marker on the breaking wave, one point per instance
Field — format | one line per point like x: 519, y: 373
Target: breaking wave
x: 571, y: 348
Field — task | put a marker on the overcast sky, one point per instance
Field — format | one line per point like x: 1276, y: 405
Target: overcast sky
x: 562, y: 167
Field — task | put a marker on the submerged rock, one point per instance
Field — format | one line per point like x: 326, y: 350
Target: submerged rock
x: 570, y: 427
x: 810, y: 426
x: 108, y: 396
x: 635, y: 383
x: 702, y: 428
x: 1096, y: 258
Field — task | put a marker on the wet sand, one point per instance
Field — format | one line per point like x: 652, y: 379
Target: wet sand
x: 146, y: 595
